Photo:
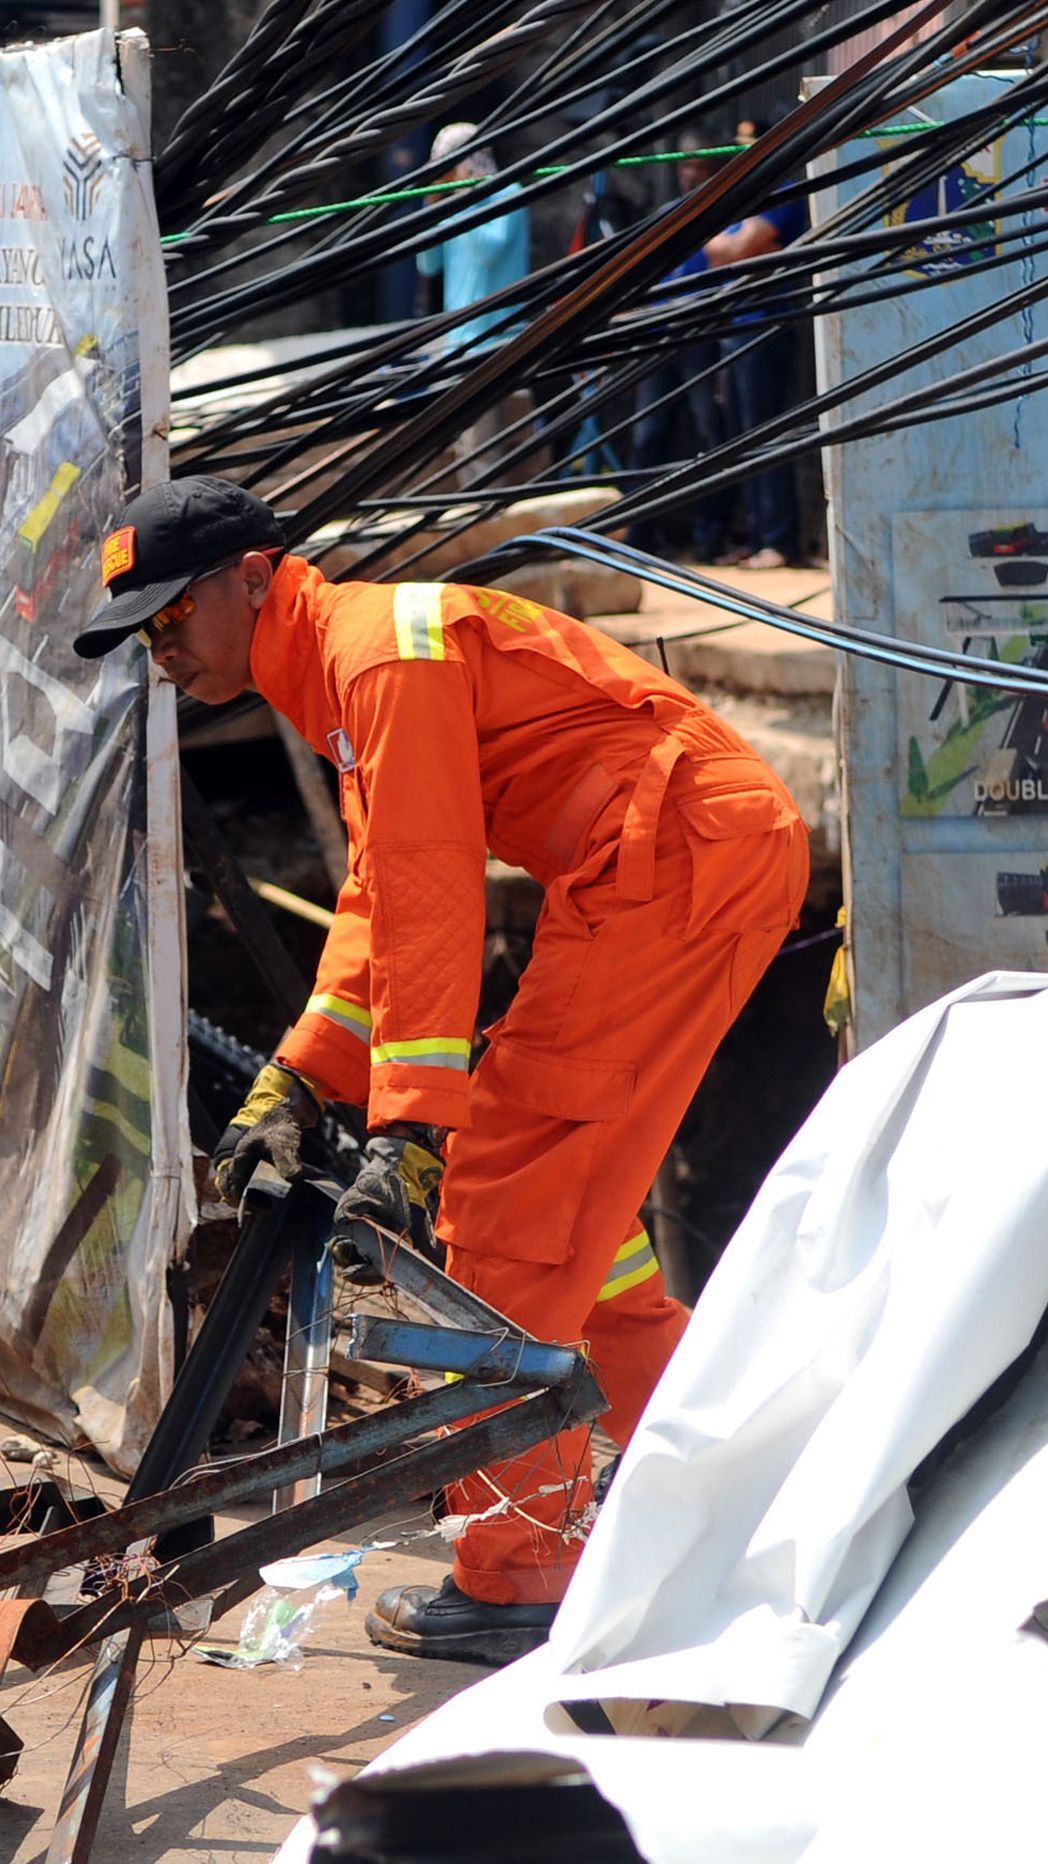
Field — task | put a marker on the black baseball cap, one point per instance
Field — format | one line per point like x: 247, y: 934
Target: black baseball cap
x: 166, y: 537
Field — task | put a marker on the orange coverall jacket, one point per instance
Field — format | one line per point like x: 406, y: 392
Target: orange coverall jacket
x: 463, y: 720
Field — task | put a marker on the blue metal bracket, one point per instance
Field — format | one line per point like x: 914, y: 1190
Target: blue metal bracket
x: 492, y: 1358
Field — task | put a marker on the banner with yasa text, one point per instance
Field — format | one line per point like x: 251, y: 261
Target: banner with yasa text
x: 92, y: 1178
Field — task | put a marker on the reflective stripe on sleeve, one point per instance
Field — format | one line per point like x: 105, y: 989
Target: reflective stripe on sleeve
x: 633, y: 1263
x: 425, y: 1052
x: 417, y: 617
x: 349, y: 1016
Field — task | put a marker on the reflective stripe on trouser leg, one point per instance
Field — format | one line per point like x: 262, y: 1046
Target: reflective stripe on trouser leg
x: 634, y: 1262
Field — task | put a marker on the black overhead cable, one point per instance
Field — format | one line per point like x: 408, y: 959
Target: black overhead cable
x: 752, y: 452
x: 660, y: 323
x: 630, y: 268
x: 418, y: 227
x: 899, y: 366
x: 602, y: 307
x: 378, y: 128
x: 937, y: 662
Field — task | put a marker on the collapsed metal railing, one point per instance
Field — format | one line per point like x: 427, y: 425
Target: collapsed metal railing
x: 150, y: 1558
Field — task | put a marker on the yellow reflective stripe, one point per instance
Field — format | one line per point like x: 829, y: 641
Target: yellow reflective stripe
x: 426, y: 1051
x: 633, y: 1246
x: 418, y: 620
x: 611, y: 1289
x: 346, y: 1014
x: 633, y: 1263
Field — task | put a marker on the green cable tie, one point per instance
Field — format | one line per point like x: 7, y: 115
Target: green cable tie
x: 390, y: 196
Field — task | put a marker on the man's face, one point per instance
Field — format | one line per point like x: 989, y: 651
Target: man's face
x: 208, y: 653
x: 693, y: 172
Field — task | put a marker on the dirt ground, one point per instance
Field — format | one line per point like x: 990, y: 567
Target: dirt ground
x: 216, y: 1767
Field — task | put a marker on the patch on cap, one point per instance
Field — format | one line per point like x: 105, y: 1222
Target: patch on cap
x: 118, y: 553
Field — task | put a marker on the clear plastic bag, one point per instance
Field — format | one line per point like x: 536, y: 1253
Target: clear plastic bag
x: 279, y: 1621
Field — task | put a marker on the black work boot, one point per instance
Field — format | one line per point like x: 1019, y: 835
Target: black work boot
x: 422, y: 1621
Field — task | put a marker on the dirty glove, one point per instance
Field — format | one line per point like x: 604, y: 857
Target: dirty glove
x: 401, y: 1170
x: 269, y: 1126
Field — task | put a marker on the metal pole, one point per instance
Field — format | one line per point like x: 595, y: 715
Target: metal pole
x: 404, y: 1478
x: 336, y: 1453
x: 229, y: 1326
x: 181, y: 1435
x: 88, y: 1777
x: 307, y: 1355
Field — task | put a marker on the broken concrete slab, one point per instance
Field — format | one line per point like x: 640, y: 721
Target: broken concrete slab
x: 574, y: 587
x: 585, y: 590
x: 706, y: 645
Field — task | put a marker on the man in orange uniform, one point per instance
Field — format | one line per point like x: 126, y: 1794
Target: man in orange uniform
x: 674, y: 862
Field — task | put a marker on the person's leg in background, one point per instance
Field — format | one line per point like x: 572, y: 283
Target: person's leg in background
x: 471, y: 448
x: 710, y: 516
x: 651, y: 448
x: 760, y: 386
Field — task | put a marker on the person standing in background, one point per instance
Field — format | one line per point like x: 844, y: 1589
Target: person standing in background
x: 473, y: 263
x: 697, y: 401
x: 760, y: 377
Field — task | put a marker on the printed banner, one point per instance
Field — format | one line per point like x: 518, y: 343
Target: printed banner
x: 975, y: 582
x: 89, y: 1149
x: 939, y: 535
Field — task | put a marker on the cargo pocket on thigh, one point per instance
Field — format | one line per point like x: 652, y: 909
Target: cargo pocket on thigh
x: 749, y: 888
x: 517, y: 1178
x: 566, y: 1086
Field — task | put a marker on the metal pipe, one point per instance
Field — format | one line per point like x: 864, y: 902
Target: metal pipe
x: 333, y: 1453
x: 307, y: 1353
x: 492, y: 1357
x: 494, y: 1438
x: 229, y: 1326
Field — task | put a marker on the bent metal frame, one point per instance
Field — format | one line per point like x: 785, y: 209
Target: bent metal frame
x: 379, y: 1462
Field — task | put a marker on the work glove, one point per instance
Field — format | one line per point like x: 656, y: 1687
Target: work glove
x: 268, y: 1127
x: 397, y: 1186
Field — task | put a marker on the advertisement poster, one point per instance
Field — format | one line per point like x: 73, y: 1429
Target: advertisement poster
x: 958, y: 905
x: 89, y: 1148
x: 938, y: 535
x: 973, y: 582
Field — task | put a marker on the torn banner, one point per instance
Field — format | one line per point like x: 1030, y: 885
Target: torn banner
x: 90, y: 959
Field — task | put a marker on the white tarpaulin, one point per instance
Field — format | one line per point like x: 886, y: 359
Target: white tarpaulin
x: 928, y: 1744
x: 893, y: 1264
x: 91, y: 1140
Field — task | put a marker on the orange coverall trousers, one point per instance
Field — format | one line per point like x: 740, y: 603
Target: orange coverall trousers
x: 628, y: 999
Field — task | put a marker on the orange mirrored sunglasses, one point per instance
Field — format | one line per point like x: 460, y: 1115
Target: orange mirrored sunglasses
x: 184, y: 605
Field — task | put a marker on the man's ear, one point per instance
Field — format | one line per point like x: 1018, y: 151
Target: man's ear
x: 257, y: 571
